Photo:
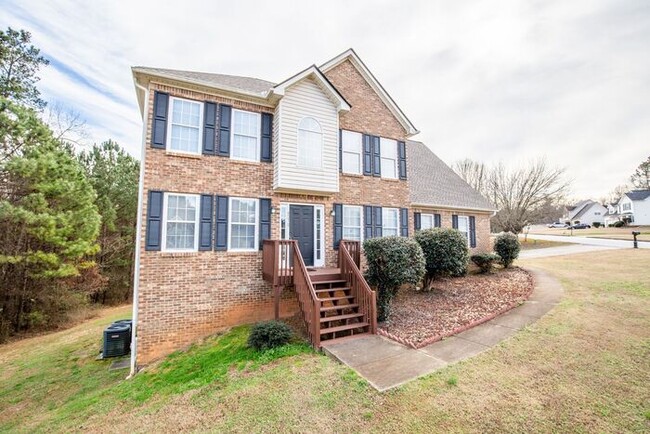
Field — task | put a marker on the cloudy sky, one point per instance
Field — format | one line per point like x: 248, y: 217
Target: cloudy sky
x: 493, y: 81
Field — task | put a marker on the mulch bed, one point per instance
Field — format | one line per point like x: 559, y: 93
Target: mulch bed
x: 420, y: 318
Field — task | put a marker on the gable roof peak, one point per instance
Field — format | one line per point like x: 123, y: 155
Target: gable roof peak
x: 356, y: 61
x: 313, y: 72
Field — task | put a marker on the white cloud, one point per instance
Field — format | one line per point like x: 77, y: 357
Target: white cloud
x: 506, y: 80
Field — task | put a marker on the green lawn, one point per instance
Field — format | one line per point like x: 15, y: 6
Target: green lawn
x: 584, y: 367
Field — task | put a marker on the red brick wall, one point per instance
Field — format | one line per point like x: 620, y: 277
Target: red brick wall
x: 483, y: 241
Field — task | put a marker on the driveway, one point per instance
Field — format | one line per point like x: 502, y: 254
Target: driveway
x: 603, y: 242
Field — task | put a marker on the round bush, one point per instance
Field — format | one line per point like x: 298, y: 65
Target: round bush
x: 507, y: 247
x: 445, y: 251
x: 618, y: 224
x: 391, y: 263
x: 269, y: 334
x: 485, y: 261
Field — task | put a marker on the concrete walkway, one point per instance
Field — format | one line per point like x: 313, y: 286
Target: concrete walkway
x: 387, y: 364
x: 561, y: 250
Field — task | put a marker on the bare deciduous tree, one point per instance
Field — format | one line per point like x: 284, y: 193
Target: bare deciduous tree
x: 641, y: 176
x: 522, y: 194
x: 66, y: 124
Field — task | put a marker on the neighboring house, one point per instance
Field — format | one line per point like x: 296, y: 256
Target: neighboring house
x: 586, y: 211
x: 612, y: 216
x: 232, y: 166
x: 634, y: 207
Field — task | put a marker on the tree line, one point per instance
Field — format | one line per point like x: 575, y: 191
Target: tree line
x: 67, y: 218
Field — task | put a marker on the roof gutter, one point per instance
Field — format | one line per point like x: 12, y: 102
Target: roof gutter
x: 136, y: 273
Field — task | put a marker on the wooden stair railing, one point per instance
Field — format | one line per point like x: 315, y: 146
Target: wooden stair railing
x: 309, y: 302
x: 349, y: 262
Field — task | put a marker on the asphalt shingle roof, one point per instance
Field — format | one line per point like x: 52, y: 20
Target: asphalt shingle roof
x: 246, y: 84
x: 638, y: 194
x: 434, y: 183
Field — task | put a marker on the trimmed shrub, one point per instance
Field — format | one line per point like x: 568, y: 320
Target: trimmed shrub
x: 269, y: 334
x: 507, y: 247
x: 618, y: 224
x: 445, y: 251
x: 485, y: 261
x: 596, y: 224
x: 391, y: 263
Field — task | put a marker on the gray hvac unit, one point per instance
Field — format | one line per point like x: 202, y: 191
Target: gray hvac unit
x: 117, y: 339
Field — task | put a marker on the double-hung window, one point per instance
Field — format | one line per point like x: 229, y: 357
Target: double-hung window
x: 352, y: 223
x: 627, y: 206
x: 426, y: 221
x: 243, y: 222
x: 351, y: 147
x: 184, y: 129
x: 245, y: 135
x: 180, y: 222
x: 390, y: 221
x: 463, y: 226
x: 310, y: 144
x: 388, y: 158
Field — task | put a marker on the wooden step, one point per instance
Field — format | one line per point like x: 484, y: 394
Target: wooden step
x: 329, y: 282
x: 340, y: 317
x: 357, y: 325
x: 344, y: 288
x: 345, y: 297
x: 341, y: 306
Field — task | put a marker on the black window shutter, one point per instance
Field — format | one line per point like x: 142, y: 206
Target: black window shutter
x: 225, y: 112
x: 437, y: 220
x: 209, y: 128
x: 338, y: 224
x: 376, y: 156
x: 340, y: 150
x: 454, y: 221
x: 154, y: 220
x: 267, y: 138
x: 377, y: 220
x: 265, y: 220
x: 367, y: 155
x: 404, y: 222
x: 472, y: 231
x: 367, y: 222
x: 417, y: 220
x: 401, y: 154
x: 205, y: 225
x: 160, y: 103
x: 221, y: 224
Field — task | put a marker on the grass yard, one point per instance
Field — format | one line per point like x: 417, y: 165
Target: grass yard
x: 584, y: 367
x: 611, y: 233
x: 528, y: 244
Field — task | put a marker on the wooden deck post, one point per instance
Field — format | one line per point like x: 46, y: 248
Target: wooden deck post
x: 277, y: 291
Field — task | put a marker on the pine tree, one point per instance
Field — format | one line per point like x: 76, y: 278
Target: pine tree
x: 641, y: 177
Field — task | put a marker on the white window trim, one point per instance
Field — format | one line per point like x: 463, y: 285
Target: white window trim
x: 433, y: 220
x: 257, y: 224
x: 383, y: 219
x: 466, y: 218
x: 196, y: 223
x: 359, y: 154
x: 322, y: 147
x: 258, y: 136
x: 169, y: 127
x: 361, y: 227
x: 284, y: 212
x: 383, y: 157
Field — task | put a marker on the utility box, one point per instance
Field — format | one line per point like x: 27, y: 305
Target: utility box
x: 117, y: 339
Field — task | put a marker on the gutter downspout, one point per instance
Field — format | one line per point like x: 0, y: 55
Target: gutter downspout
x: 138, y: 237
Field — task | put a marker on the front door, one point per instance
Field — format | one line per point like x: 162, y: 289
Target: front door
x: 301, y: 226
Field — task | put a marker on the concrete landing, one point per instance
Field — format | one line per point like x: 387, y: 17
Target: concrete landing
x: 385, y: 364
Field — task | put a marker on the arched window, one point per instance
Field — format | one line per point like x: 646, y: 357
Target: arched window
x: 310, y: 143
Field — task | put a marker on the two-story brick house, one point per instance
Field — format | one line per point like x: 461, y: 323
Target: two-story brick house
x: 230, y: 163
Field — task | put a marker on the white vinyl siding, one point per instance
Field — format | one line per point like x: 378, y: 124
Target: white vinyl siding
x: 352, y: 147
x: 352, y: 223
x: 388, y: 158
x: 242, y: 224
x: 390, y: 222
x: 305, y: 99
x: 310, y: 144
x: 427, y: 221
x: 245, y: 140
x: 180, y: 230
x: 184, y: 129
x: 463, y: 227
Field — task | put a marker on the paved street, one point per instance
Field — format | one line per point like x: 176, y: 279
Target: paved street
x: 562, y: 250
x: 604, y: 242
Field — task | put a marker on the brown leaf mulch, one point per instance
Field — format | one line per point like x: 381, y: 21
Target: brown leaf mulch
x: 419, y: 317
